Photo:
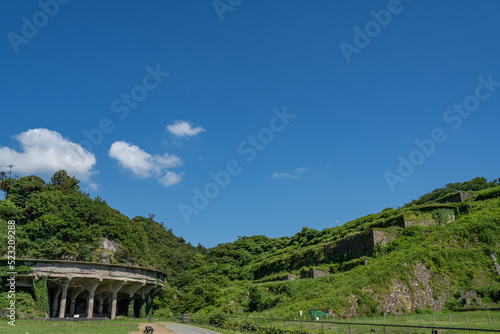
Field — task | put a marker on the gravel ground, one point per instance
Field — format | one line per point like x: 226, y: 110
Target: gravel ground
x: 172, y: 328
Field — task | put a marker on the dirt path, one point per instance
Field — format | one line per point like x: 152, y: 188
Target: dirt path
x: 158, y: 327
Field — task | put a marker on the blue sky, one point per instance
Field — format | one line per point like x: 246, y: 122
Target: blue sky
x: 308, y: 113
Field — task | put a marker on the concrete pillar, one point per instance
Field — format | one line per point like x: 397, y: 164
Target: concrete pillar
x: 90, y: 304
x: 131, y: 299
x: 55, y: 303
x: 142, y: 308
x: 103, y: 293
x: 142, y: 305
x: 113, y: 304
x: 64, y: 296
x: 72, y: 307
x: 90, y: 300
x: 152, y: 293
x: 73, y: 302
x: 101, y: 299
x: 148, y: 304
x: 107, y: 300
x: 114, y: 294
x: 130, y: 308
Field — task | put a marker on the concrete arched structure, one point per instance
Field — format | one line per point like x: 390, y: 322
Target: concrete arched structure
x: 93, y: 287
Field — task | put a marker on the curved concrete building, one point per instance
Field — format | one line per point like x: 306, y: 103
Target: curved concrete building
x: 93, y: 289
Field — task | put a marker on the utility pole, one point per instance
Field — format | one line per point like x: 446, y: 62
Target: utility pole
x: 10, y: 169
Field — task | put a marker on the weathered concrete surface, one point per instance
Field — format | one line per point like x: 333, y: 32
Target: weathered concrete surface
x: 313, y: 273
x: 95, y: 289
x: 358, y: 244
x: 459, y: 197
x: 77, y: 269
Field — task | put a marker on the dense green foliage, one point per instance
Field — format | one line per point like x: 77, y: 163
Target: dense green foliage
x: 59, y: 221
x: 452, y: 242
x: 41, y: 295
x: 250, y: 274
x: 476, y: 184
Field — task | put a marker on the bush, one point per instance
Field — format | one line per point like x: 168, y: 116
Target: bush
x: 488, y: 194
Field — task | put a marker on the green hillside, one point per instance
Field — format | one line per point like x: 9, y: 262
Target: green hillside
x: 419, y: 257
x: 59, y: 221
x: 428, y: 253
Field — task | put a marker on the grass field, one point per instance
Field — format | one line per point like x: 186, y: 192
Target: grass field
x: 476, y: 319
x: 52, y: 327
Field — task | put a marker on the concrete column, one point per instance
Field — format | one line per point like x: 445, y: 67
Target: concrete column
x: 114, y: 294
x: 101, y: 299
x: 103, y: 292
x: 108, y: 308
x: 90, y: 300
x: 73, y: 302
x: 72, y: 307
x: 152, y: 293
x: 142, y: 305
x: 148, y: 304
x: 55, y: 303
x: 131, y: 299
x: 113, y: 304
x: 90, y: 305
x: 64, y: 296
x: 130, y: 308
x: 142, y: 308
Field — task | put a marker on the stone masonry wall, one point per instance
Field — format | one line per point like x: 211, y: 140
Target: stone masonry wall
x: 358, y: 244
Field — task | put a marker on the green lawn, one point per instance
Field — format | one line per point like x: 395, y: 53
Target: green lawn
x: 476, y: 319
x: 52, y: 327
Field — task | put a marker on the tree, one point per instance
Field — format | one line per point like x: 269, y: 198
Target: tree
x: 63, y: 181
x: 21, y: 190
x: 6, y: 182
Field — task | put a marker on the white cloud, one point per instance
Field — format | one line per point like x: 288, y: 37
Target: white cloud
x: 283, y: 175
x: 170, y: 179
x: 173, y: 143
x: 143, y: 164
x: 93, y: 187
x: 44, y: 152
x: 292, y: 175
x: 299, y: 170
x: 183, y: 128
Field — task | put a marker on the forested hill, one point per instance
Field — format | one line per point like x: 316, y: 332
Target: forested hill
x: 423, y: 255
x: 59, y: 221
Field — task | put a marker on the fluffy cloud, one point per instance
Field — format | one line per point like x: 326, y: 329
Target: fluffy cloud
x: 183, y: 128
x: 292, y: 175
x: 143, y: 164
x: 44, y: 152
x: 283, y: 175
x: 170, y: 179
x: 299, y: 170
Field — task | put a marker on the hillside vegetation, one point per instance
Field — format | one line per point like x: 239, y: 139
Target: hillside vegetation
x: 59, y: 221
x: 419, y: 257
x: 425, y: 255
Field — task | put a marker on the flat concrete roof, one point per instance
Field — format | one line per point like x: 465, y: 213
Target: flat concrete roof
x: 86, y: 263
